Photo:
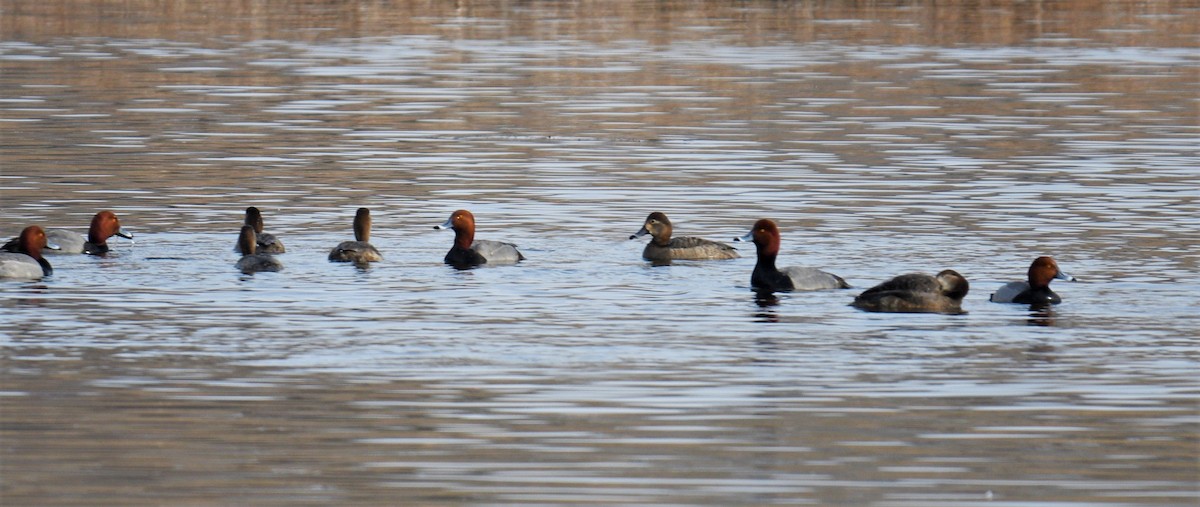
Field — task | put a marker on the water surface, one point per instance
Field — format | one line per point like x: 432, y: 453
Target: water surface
x: 883, y: 139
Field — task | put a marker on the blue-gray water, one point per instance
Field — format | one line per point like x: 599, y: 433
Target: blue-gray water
x: 883, y: 140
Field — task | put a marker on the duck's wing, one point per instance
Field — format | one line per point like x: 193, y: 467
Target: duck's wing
x: 912, y: 282
x: 699, y: 248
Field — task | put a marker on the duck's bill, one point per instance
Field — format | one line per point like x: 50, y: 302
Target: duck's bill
x: 444, y: 225
x: 1063, y: 276
x: 125, y: 234
x: 641, y: 232
x: 747, y: 238
x: 53, y: 246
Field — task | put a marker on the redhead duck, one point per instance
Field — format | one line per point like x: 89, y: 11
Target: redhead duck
x: 766, y: 277
x: 254, y: 262
x: 266, y: 243
x: 28, y: 262
x: 1037, y: 289
x: 104, y: 225
x: 467, y: 251
x: 916, y: 292
x: 663, y: 248
x: 360, y: 250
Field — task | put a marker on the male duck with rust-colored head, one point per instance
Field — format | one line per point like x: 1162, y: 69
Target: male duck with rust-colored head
x: 104, y: 225
x: 468, y: 251
x: 1036, y: 291
x: 663, y: 248
x: 766, y: 277
x: 27, y: 262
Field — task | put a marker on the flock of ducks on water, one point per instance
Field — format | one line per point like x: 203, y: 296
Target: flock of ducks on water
x: 22, y: 258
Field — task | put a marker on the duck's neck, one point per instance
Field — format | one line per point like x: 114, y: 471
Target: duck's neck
x: 92, y: 248
x: 46, y: 269
x: 1039, y: 282
x: 463, y: 239
x: 766, y: 261
x: 767, y: 252
x: 247, y: 241
x: 362, y: 231
x: 767, y: 277
x: 662, y: 236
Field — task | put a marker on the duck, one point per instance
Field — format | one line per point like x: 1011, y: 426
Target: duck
x: 360, y: 250
x: 917, y: 293
x: 252, y: 262
x: 266, y: 243
x: 468, y: 251
x: 105, y: 224
x: 766, y: 277
x: 663, y: 248
x: 27, y: 262
x: 1037, y: 289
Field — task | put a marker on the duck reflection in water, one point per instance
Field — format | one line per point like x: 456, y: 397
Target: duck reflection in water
x: 766, y: 301
x: 1041, y: 314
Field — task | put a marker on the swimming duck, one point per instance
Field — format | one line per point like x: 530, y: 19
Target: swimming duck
x: 104, y: 225
x: 27, y: 262
x: 663, y: 248
x: 266, y: 243
x: 1037, y: 289
x: 252, y: 262
x: 916, y: 292
x: 360, y: 250
x: 467, y: 251
x: 766, y: 277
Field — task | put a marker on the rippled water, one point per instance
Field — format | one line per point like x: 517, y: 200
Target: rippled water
x: 883, y: 139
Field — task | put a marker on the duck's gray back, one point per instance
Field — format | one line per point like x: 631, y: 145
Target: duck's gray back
x: 497, y: 251
x: 813, y: 279
x: 1009, y: 291
x: 67, y: 241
